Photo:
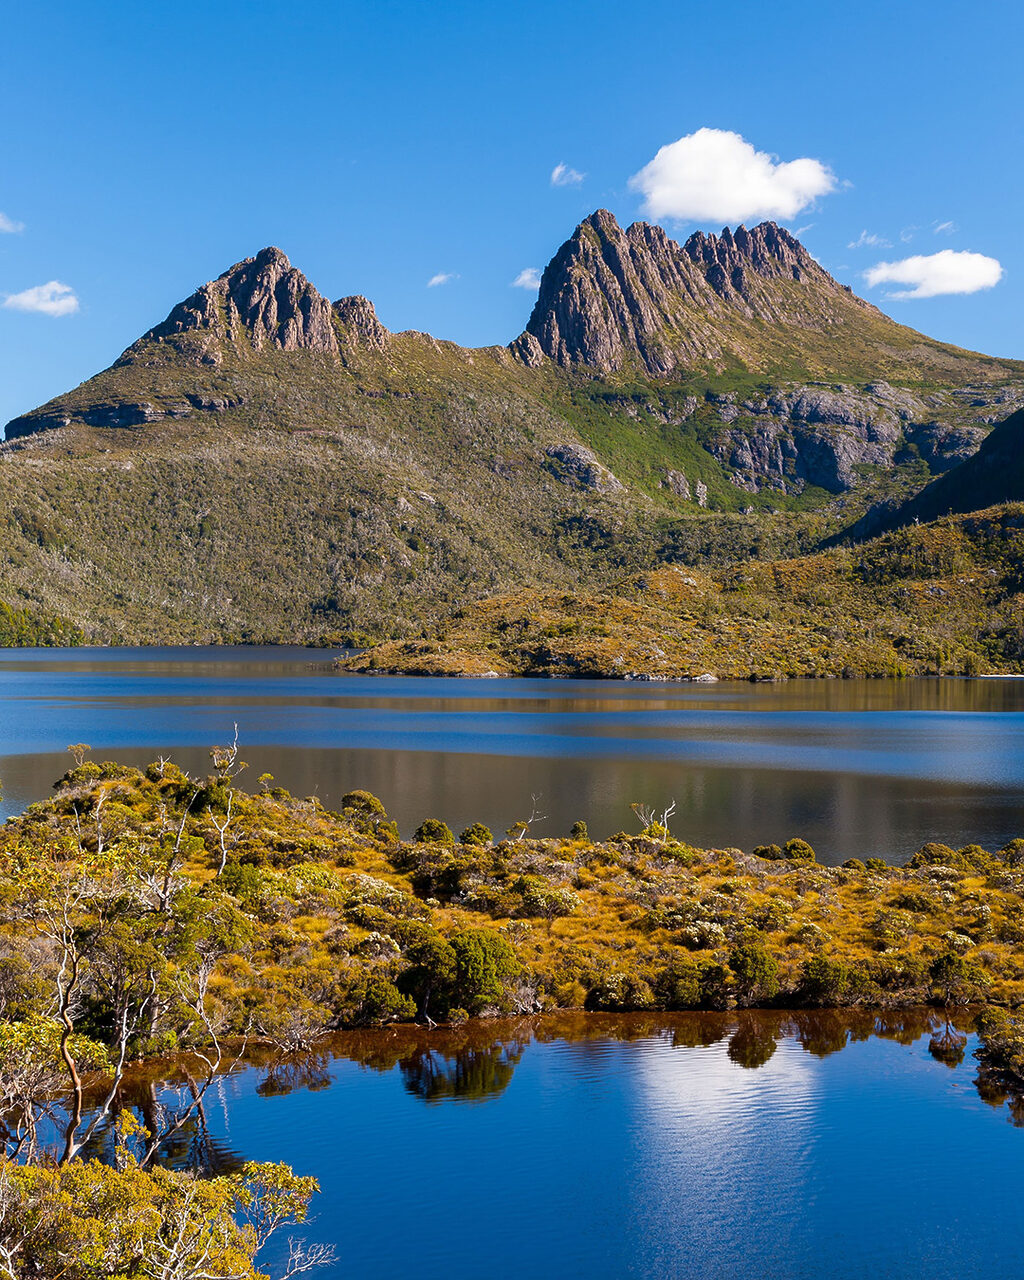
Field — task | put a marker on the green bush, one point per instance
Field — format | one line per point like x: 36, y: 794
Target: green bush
x: 433, y: 831
x: 477, y: 834
x: 797, y: 850
x: 756, y: 973
x: 363, y: 802
x: 484, y: 962
x: 824, y: 981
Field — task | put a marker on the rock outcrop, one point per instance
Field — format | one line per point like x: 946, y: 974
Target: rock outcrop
x: 577, y: 467
x: 994, y: 474
x: 358, y: 318
x: 614, y: 298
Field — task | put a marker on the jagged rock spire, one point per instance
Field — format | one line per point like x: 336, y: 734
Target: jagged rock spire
x: 611, y: 297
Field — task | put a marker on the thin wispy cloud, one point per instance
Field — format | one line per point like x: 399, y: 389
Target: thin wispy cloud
x: 934, y: 274
x: 50, y: 299
x: 868, y: 240
x: 8, y: 226
x: 442, y: 277
x: 714, y: 175
x: 944, y: 228
x: 528, y: 278
x: 908, y: 233
x: 563, y: 176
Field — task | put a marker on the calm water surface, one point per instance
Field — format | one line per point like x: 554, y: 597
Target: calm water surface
x: 856, y: 767
x: 691, y: 1145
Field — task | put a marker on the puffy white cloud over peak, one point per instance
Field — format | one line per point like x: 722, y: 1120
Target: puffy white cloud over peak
x: 715, y: 175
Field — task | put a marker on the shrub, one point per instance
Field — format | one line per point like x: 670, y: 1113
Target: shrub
x: 797, y: 850
x: 824, y: 981
x: 756, y: 972
x: 621, y: 992
x: 363, y: 802
x: 433, y: 831
x: 697, y: 983
x: 579, y: 831
x: 381, y: 1002
x: 538, y: 898
x: 934, y: 854
x: 956, y: 980
x: 914, y: 901
x: 877, y: 865
x: 770, y: 852
x: 484, y: 962
x: 1013, y: 853
x: 854, y: 864
x: 477, y: 834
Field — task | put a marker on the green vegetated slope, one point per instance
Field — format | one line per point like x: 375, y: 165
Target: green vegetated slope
x: 947, y: 597
x: 267, y: 465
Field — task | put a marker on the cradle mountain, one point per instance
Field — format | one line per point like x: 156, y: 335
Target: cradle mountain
x: 268, y: 465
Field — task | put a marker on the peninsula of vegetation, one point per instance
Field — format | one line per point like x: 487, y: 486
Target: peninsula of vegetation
x: 148, y: 912
x: 938, y: 599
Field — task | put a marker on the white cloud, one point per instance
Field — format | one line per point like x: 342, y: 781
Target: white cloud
x: 908, y: 233
x: 868, y: 240
x: 528, y: 278
x: 717, y: 176
x: 442, y: 277
x: 9, y: 226
x: 52, y: 299
x: 933, y: 274
x: 944, y: 228
x: 563, y: 176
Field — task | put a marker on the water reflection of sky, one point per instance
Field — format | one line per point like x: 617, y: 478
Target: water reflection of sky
x: 858, y: 767
x: 660, y: 1155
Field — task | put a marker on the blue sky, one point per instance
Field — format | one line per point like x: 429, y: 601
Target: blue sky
x: 146, y: 148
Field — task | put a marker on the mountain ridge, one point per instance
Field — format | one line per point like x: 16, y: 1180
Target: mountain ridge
x: 267, y: 464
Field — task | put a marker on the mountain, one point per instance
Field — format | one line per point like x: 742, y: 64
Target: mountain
x: 268, y: 464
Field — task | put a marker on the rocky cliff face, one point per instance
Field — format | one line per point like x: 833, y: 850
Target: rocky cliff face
x: 818, y: 435
x: 992, y: 475
x: 612, y: 298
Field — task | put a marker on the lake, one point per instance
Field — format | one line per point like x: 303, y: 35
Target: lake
x: 858, y: 768
x: 755, y: 1144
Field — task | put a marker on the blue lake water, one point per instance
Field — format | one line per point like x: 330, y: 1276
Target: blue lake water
x: 691, y: 1145
x: 859, y: 768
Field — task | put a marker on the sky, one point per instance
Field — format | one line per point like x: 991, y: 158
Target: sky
x: 433, y: 156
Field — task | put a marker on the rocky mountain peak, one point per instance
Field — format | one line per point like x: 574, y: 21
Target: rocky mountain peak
x: 612, y: 297
x: 262, y: 300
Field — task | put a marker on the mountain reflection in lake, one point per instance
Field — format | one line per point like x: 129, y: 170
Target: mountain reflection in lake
x: 858, y: 768
x: 755, y: 1143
